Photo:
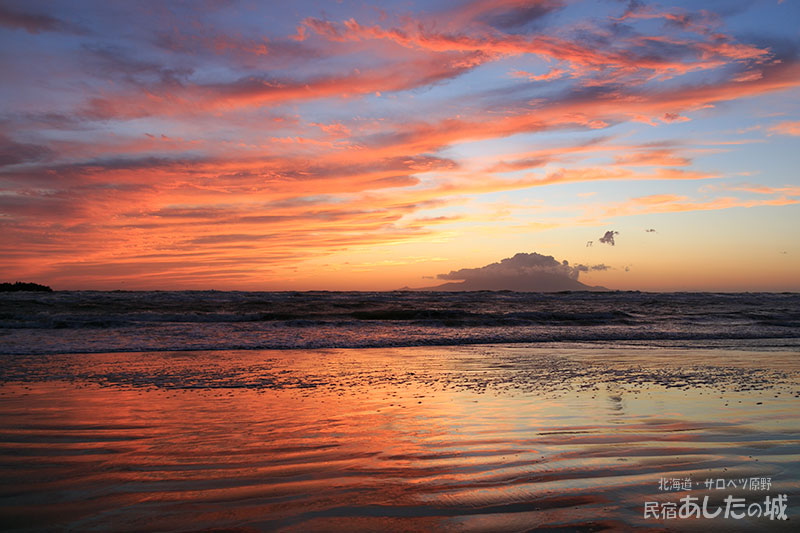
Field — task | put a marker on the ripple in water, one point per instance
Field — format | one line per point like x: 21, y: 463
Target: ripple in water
x: 484, y: 438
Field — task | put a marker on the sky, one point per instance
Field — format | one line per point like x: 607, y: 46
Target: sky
x: 377, y: 145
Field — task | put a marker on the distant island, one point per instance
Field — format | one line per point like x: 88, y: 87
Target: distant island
x: 24, y: 286
x: 542, y: 282
x: 524, y: 272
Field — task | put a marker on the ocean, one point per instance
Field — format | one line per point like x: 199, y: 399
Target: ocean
x: 94, y: 322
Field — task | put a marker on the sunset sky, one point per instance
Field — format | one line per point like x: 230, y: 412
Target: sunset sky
x: 376, y: 145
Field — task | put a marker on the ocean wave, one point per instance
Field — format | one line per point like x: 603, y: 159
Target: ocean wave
x: 143, y: 321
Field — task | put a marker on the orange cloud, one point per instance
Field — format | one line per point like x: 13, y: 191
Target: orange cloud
x: 786, y: 128
x: 552, y: 74
x: 666, y: 203
x: 605, y: 174
x: 492, y: 44
x: 763, y: 189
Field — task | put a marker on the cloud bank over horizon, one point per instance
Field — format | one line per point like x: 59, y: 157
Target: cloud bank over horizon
x: 522, y: 272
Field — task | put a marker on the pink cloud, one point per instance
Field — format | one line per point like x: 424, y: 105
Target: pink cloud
x: 786, y: 128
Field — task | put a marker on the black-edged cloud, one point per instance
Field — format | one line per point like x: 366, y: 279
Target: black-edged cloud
x: 608, y: 238
x: 525, y: 272
x: 583, y: 268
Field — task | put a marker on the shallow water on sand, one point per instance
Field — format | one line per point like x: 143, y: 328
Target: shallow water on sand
x: 480, y: 438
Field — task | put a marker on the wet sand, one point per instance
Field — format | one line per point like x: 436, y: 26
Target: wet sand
x: 471, y: 438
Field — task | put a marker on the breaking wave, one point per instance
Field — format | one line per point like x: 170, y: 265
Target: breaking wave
x: 93, y: 321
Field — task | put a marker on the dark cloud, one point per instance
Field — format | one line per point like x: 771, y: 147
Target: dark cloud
x: 583, y: 268
x: 689, y: 21
x: 252, y: 52
x: 38, y: 205
x: 521, y: 15
x: 75, y: 173
x: 13, y: 153
x: 50, y: 120
x: 633, y: 6
x: 525, y: 272
x: 608, y: 238
x: 34, y: 22
x: 114, y: 61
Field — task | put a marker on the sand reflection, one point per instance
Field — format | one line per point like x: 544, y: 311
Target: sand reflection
x: 469, y: 439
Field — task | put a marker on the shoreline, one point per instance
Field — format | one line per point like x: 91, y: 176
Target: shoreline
x: 460, y: 438
x: 754, y: 344
x: 531, y: 367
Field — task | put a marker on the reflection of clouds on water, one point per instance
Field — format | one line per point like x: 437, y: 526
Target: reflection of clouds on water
x: 489, y: 438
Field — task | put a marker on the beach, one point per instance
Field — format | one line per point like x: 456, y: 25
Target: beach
x: 503, y: 437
